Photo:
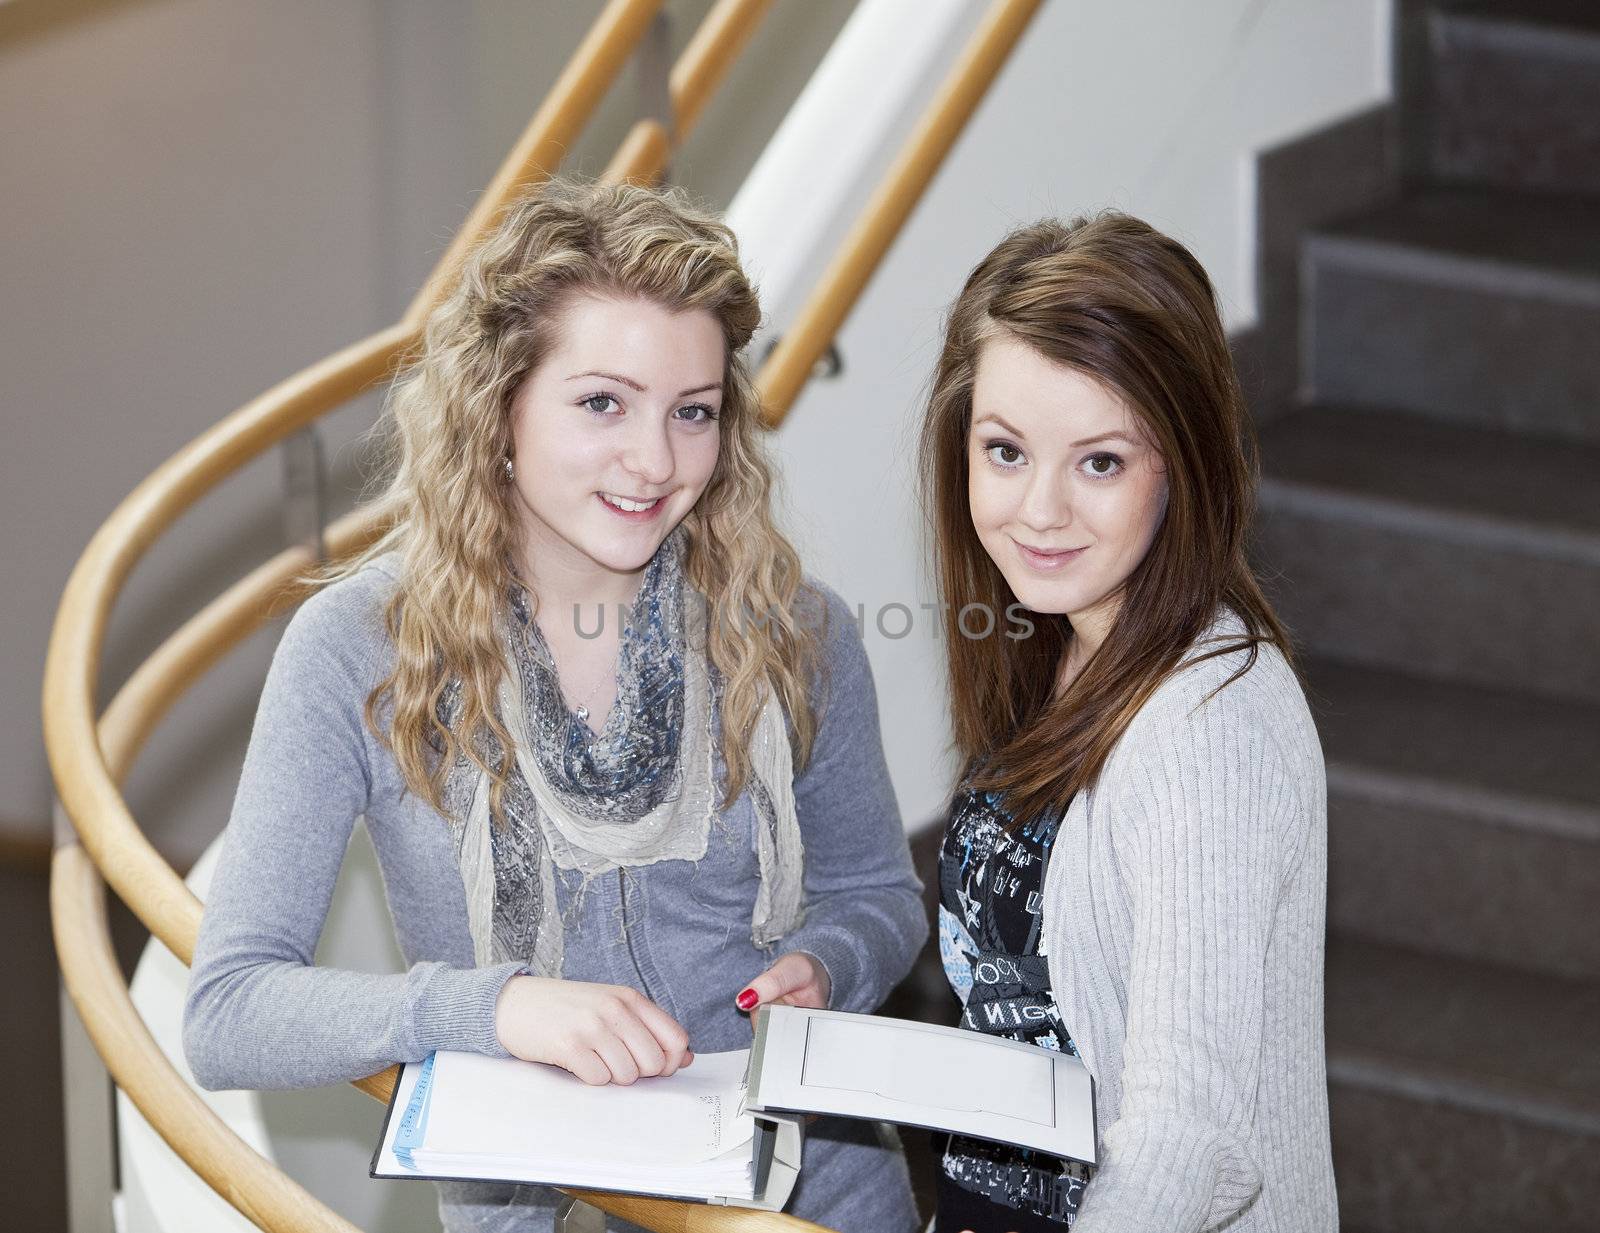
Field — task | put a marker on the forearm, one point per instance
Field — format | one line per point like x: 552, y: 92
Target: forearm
x: 272, y: 1023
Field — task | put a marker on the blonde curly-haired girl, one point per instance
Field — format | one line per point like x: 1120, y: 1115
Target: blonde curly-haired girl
x: 618, y: 756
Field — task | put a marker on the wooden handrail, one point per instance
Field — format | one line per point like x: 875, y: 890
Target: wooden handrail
x: 710, y: 53
x: 83, y: 774
x: 136, y: 871
x: 88, y: 759
x: 93, y: 979
x: 230, y: 1166
x: 642, y: 156
x: 551, y: 132
x: 791, y: 362
x: 699, y: 70
x: 142, y: 878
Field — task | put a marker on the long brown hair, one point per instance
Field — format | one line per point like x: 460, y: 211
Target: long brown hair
x: 454, y: 516
x: 1113, y: 298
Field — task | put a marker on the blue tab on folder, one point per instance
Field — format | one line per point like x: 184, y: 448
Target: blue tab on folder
x: 414, y: 1121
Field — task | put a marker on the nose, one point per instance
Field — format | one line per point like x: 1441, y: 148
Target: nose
x: 1046, y: 505
x: 647, y: 453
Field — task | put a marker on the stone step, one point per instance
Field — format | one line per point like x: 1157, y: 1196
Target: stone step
x: 1461, y: 820
x: 1445, y: 552
x: 1514, y: 94
x: 1463, y: 1096
x: 1472, y: 305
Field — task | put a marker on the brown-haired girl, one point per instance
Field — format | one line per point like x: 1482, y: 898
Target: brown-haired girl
x: 1134, y: 868
x: 618, y: 757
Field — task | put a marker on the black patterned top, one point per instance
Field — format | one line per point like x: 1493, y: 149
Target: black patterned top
x: 991, y: 889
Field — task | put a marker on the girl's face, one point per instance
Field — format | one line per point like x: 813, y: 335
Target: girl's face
x: 1065, y: 490
x: 614, y: 437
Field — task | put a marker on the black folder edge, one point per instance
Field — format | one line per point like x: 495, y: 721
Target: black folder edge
x: 763, y: 1154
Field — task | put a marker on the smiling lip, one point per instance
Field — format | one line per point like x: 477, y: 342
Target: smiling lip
x: 633, y: 515
x: 1046, y: 560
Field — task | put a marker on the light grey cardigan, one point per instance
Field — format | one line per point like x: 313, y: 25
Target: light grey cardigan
x: 1184, y: 911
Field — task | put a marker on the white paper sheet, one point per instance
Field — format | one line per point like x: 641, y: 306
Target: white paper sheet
x: 504, y: 1120
x: 899, y: 1062
x: 482, y: 1106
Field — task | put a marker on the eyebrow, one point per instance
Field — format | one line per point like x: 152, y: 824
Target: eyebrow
x: 1117, y: 435
x: 1015, y: 432
x: 634, y: 385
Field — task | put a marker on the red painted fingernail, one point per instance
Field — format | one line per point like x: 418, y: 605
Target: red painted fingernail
x: 746, y: 1000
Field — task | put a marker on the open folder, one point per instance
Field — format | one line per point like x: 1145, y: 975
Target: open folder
x: 464, y: 1116
x: 727, y: 1129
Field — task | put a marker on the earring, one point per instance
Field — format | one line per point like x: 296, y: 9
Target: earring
x: 511, y: 471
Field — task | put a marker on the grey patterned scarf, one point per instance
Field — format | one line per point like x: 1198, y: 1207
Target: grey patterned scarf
x: 642, y: 790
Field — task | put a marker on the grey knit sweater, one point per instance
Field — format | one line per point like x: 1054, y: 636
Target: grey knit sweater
x: 1184, y: 918
x: 261, y: 1014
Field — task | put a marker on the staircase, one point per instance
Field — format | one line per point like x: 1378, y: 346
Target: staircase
x: 1430, y: 530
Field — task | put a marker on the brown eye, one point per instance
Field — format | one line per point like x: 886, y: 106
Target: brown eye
x: 1102, y: 466
x: 1004, y: 453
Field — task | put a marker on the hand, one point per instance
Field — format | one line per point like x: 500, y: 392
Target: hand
x: 601, y: 1033
x: 796, y: 979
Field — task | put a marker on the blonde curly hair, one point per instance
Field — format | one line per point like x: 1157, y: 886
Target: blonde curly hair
x: 453, y: 519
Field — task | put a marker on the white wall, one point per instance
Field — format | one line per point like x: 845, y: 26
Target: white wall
x: 1156, y: 107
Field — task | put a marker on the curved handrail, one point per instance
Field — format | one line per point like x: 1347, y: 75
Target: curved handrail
x: 113, y: 838
x: 709, y: 55
x: 84, y: 781
x: 544, y: 143
x: 118, y: 843
x: 93, y: 980
x: 790, y: 365
x: 88, y: 759
x: 713, y: 49
x: 238, y: 1173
